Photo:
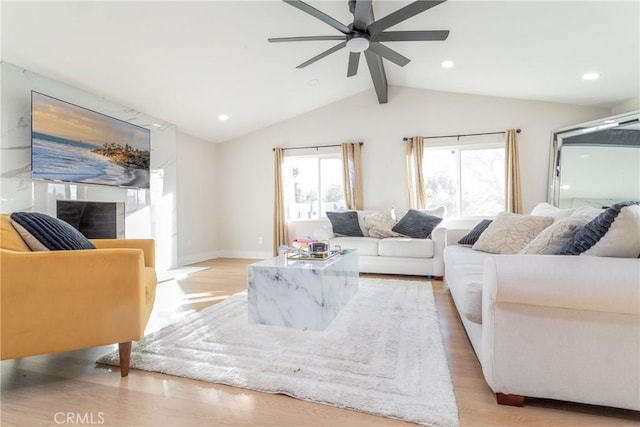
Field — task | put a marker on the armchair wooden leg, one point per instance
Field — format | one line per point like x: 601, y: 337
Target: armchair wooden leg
x: 124, y: 350
x: 510, y: 399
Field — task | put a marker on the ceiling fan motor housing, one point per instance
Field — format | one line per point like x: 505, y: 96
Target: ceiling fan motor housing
x: 357, y: 41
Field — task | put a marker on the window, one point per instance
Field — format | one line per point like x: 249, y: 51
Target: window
x: 313, y: 185
x: 467, y: 179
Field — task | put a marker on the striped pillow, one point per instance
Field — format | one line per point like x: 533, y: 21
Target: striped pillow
x: 416, y: 224
x: 624, y: 245
x: 474, y: 234
x: 43, y: 232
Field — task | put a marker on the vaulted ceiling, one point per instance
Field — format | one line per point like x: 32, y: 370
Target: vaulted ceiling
x: 189, y: 62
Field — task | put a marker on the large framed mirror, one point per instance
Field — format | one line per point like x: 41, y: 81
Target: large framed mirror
x: 596, y: 163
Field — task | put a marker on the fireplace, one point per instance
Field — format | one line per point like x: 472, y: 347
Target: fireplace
x: 95, y: 220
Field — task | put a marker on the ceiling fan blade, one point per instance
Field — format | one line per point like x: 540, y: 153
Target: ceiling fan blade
x: 407, y: 36
x: 378, y: 76
x: 319, y: 15
x: 354, y: 59
x: 402, y: 14
x: 323, y: 54
x: 363, y: 15
x: 305, y: 38
x: 389, y: 54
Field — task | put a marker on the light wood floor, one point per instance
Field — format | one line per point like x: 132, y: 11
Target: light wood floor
x: 46, y: 390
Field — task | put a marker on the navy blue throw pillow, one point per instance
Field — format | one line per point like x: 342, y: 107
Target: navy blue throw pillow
x: 345, y: 223
x: 416, y: 224
x: 593, y: 231
x: 53, y: 233
x: 473, y: 236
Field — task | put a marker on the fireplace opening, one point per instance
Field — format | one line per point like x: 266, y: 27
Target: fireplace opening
x: 95, y: 220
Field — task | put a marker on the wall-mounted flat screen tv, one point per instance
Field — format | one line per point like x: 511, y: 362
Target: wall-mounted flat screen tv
x: 74, y: 144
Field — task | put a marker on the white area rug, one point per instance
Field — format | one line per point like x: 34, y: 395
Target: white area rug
x: 382, y: 355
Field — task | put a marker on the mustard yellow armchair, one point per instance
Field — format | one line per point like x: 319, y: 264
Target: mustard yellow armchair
x: 67, y: 300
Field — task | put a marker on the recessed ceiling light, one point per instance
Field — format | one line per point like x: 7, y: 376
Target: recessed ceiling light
x: 590, y: 76
x: 566, y: 187
x: 447, y: 64
x: 584, y: 156
x: 223, y: 117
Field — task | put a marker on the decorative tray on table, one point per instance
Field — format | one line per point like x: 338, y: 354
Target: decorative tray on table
x: 307, y: 255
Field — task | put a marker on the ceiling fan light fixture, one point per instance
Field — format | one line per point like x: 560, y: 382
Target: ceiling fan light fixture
x: 358, y: 44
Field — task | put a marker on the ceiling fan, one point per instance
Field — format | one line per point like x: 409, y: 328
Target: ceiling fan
x: 365, y: 35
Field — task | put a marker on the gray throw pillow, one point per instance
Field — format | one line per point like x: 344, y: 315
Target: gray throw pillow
x: 473, y: 236
x: 345, y: 223
x: 416, y: 224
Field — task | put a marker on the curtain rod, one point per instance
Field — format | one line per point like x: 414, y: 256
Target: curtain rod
x: 466, y: 134
x: 316, y: 146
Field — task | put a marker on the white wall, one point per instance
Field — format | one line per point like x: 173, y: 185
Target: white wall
x: 627, y: 106
x: 149, y: 213
x: 197, y: 199
x: 245, y: 165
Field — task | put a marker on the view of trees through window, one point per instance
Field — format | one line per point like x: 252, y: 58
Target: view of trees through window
x: 468, y: 181
x: 313, y: 185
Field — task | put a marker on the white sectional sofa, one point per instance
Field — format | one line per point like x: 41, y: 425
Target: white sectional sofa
x: 390, y: 255
x: 550, y: 326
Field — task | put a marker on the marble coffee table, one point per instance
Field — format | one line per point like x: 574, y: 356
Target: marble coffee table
x: 301, y: 294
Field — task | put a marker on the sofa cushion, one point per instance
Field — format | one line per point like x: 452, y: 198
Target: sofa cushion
x: 9, y: 237
x: 345, y: 223
x: 364, y: 245
x: 50, y: 233
x: 472, y: 237
x: 613, y: 233
x: 405, y: 247
x: 510, y: 232
x: 379, y: 224
x: 555, y: 236
x: 464, y: 268
x: 417, y: 224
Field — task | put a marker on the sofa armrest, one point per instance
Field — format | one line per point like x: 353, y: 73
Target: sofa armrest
x: 438, y: 236
x: 572, y: 282
x: 147, y: 246
x: 454, y: 234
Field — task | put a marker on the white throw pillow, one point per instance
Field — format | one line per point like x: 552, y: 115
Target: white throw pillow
x: 623, y: 238
x: 588, y: 211
x: 361, y: 217
x: 509, y: 233
x: 555, y: 236
x: 379, y: 224
x: 545, y: 209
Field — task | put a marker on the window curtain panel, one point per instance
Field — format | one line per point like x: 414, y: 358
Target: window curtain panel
x: 513, y: 195
x: 415, y: 177
x: 280, y: 232
x: 352, y: 175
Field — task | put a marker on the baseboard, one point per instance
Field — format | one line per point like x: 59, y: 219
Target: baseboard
x: 199, y: 257
x: 245, y: 254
